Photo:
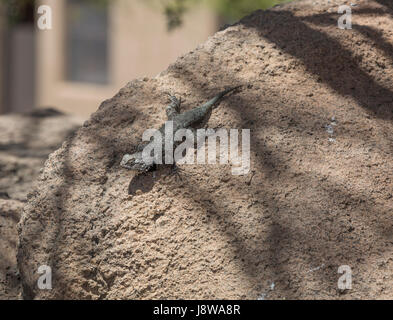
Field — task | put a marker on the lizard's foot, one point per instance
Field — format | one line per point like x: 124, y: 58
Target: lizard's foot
x: 176, y: 171
x: 173, y: 99
x: 175, y: 102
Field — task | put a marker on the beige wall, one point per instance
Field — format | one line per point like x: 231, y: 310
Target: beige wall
x: 139, y: 46
x: 2, y: 52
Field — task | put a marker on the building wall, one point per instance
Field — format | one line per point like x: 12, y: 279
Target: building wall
x: 2, y: 59
x: 139, y: 46
x: 21, y: 68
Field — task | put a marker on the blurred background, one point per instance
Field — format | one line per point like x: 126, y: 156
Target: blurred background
x: 96, y: 46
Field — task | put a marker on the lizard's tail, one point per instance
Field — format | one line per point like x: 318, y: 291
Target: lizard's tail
x: 213, y: 102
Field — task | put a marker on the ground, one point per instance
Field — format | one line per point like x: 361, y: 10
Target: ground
x: 318, y: 101
x: 25, y: 143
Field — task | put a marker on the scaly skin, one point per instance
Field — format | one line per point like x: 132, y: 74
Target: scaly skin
x: 184, y: 120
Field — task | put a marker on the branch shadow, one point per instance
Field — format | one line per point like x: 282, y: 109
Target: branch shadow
x: 339, y: 60
x: 50, y: 233
x: 356, y: 83
x: 338, y: 69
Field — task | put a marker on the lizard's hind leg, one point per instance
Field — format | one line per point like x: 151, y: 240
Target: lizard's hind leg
x: 173, y: 108
x: 176, y: 171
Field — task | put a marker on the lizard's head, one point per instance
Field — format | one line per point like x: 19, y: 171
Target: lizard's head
x: 135, y: 162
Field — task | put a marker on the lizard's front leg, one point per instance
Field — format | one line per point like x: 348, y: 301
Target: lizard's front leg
x: 173, y: 109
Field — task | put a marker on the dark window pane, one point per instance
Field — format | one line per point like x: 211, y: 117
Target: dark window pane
x: 87, y: 42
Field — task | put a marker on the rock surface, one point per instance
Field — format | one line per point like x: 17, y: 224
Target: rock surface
x: 10, y: 211
x: 318, y: 101
x: 25, y: 142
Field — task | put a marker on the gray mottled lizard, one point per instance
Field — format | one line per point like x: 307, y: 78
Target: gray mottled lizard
x: 184, y: 120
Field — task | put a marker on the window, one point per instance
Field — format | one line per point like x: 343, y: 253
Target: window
x: 87, y: 42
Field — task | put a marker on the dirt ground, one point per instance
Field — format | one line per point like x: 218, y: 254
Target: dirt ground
x: 25, y: 143
x: 319, y: 103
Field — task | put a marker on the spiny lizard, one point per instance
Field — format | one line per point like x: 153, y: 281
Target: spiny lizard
x: 185, y: 120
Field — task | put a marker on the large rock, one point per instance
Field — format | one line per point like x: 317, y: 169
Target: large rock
x: 10, y: 286
x: 318, y: 100
x: 25, y: 142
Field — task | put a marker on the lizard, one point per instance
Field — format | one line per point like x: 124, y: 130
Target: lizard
x: 185, y: 120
